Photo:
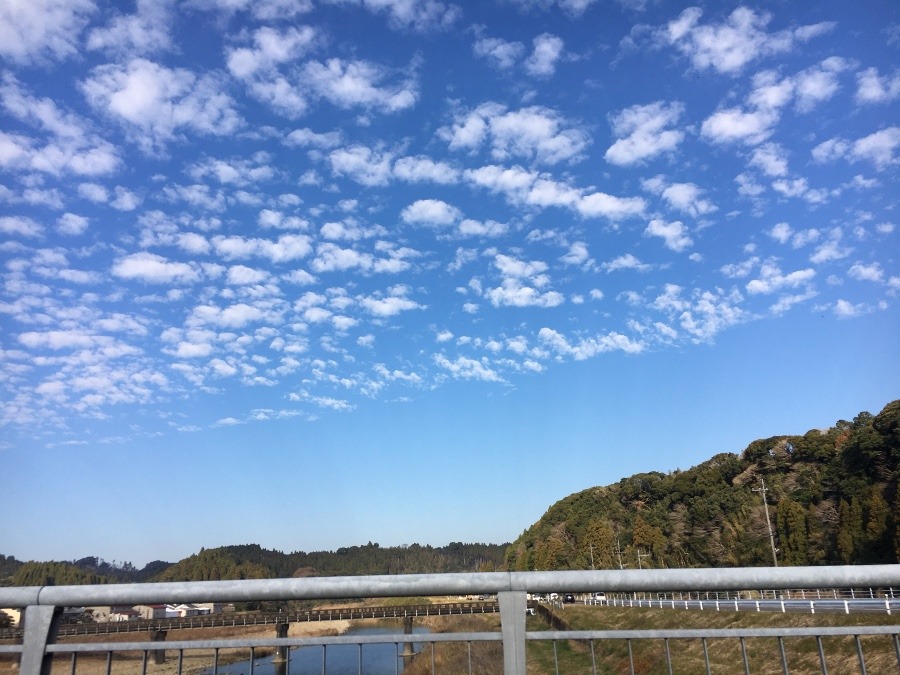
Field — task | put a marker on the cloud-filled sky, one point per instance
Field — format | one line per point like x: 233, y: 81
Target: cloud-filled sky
x: 311, y: 273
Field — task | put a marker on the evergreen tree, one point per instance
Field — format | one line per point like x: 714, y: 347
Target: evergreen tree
x: 876, y: 534
x: 844, y: 536
x: 792, y: 532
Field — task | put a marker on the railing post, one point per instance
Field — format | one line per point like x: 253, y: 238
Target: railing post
x: 41, y: 622
x: 512, y: 627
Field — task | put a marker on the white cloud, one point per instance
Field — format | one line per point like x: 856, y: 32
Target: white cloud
x: 361, y: 164
x: 844, y: 309
x: 152, y: 268
x: 390, y: 305
x: 422, y: 169
x: 830, y: 250
x: 349, y: 84
x: 817, y: 84
x: 286, y: 248
x: 729, y: 46
x: 674, y: 234
x: 682, y: 196
x: 879, y: 147
x: 500, y: 53
x: 145, y: 32
x: 416, y: 15
x: 35, y: 30
x: 476, y: 228
x: 863, y: 272
x: 21, y: 226
x: 643, y: 132
x: 771, y: 159
x: 781, y: 232
x: 468, y: 369
x: 71, y: 224
x: 547, y: 52
x: 873, y: 88
x: 731, y: 125
x: 67, y: 144
x: 308, y: 138
x: 577, y: 254
x: 433, y: 212
x: 771, y: 279
x: 237, y: 315
x: 156, y: 103
x: 513, y: 293
x: 535, y: 133
x: 626, y: 262
x: 588, y: 347
x: 270, y: 49
x: 614, y: 208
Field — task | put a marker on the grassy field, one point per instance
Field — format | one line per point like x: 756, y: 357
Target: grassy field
x: 763, y: 654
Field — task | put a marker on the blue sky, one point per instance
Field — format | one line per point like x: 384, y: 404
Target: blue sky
x: 312, y: 273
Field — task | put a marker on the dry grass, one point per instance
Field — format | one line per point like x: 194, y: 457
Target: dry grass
x: 725, y: 656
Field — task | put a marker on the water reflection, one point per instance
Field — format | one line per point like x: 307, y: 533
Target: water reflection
x: 377, y: 659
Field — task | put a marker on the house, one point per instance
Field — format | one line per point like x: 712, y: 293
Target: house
x: 186, y: 610
x: 215, y: 607
x: 151, y: 611
x: 113, y: 613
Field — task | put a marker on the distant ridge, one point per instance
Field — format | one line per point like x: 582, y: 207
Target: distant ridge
x: 832, y: 497
x: 251, y: 561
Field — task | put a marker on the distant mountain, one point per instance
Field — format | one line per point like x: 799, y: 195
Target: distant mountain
x: 832, y: 497
x: 254, y: 562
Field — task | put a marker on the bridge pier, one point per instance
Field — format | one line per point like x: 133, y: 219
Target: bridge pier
x: 407, y: 652
x: 159, y: 655
x: 281, y: 653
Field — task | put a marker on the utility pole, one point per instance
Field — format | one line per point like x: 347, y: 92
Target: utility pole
x: 641, y: 556
x: 619, y: 553
x: 762, y: 491
x: 592, y: 555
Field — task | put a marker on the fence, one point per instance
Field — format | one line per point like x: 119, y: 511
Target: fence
x: 43, y: 609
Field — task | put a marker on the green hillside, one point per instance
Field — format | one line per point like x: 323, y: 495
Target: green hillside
x: 255, y: 562
x: 832, y: 498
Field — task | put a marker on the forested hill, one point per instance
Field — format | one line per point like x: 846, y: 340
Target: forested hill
x: 254, y: 562
x: 832, y: 497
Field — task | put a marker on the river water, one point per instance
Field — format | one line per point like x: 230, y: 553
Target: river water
x: 377, y: 659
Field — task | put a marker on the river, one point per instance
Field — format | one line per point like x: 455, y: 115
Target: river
x: 377, y: 659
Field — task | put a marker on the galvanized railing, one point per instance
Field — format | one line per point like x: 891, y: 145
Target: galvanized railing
x: 43, y: 610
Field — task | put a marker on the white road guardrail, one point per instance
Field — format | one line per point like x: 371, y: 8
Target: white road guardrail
x: 43, y: 608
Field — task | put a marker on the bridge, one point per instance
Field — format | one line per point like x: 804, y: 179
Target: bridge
x: 43, y: 611
x: 230, y: 620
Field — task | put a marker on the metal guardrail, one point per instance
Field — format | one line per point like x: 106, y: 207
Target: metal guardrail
x: 43, y: 607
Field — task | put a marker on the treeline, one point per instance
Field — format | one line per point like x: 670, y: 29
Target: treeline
x: 832, y: 497
x: 255, y: 562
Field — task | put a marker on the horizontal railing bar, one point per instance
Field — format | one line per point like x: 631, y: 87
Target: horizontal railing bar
x: 641, y: 634
x: 256, y: 643
x: 713, y: 633
x: 456, y: 584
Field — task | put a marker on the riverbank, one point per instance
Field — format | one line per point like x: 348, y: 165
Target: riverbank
x: 194, y: 661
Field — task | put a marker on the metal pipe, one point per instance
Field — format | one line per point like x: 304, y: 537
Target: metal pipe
x: 723, y: 579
